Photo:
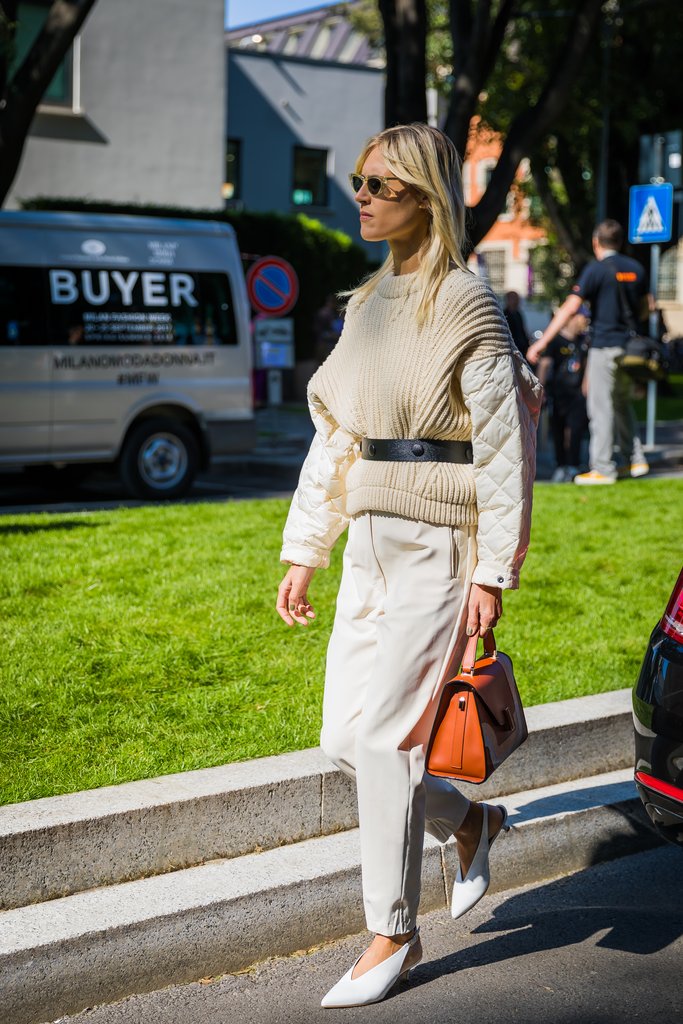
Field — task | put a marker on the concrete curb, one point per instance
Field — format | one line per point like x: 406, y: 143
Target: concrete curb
x: 98, y: 946
x: 56, y: 846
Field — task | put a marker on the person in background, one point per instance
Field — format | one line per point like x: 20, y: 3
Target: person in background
x: 562, y: 370
x: 515, y: 320
x: 327, y: 326
x: 606, y: 283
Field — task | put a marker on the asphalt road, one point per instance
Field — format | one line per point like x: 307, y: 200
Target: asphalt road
x: 55, y: 492
x: 101, y: 489
x: 604, y: 946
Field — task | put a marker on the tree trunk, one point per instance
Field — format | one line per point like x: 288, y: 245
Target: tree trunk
x: 566, y: 233
x: 477, y: 38
x: 20, y: 96
x: 405, y: 36
x: 528, y: 128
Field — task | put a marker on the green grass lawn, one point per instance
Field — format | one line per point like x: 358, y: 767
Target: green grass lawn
x: 143, y: 641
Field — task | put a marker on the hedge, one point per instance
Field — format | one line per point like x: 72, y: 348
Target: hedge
x: 326, y: 260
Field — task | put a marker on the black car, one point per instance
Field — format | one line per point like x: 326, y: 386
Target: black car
x: 658, y: 722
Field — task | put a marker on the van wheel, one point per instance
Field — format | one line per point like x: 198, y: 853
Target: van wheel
x: 160, y: 459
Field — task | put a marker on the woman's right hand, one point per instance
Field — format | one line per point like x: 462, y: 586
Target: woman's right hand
x: 292, y: 600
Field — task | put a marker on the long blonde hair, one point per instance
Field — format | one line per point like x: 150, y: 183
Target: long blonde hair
x: 425, y: 158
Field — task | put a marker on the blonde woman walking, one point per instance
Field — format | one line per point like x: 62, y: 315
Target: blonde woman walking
x: 425, y: 448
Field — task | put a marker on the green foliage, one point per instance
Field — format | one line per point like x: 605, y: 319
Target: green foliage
x: 138, y: 642
x: 669, y: 399
x: 630, y: 73
x: 325, y: 259
x: 553, y: 270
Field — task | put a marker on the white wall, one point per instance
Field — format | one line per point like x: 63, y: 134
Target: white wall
x: 152, y: 126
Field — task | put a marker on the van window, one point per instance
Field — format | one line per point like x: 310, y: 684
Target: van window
x: 22, y: 307
x: 104, y: 306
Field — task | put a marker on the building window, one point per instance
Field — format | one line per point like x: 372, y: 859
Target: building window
x: 510, y: 211
x: 232, y: 186
x: 668, y: 274
x: 467, y: 182
x: 293, y: 40
x: 322, y: 42
x: 492, y: 265
x: 309, y: 180
x: 60, y: 92
x: 485, y: 169
x: 350, y: 48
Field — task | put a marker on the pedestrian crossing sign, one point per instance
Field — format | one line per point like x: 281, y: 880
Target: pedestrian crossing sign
x: 650, y: 213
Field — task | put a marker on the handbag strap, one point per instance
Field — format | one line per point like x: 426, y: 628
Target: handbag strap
x: 470, y: 655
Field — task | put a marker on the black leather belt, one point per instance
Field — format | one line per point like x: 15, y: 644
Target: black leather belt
x: 415, y: 450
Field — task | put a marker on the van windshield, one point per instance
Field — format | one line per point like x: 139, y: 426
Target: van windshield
x: 62, y: 306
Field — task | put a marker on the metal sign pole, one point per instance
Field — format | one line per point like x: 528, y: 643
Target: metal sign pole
x: 658, y: 154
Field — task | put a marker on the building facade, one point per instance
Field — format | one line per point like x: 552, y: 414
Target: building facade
x: 136, y: 113
x: 304, y: 93
x: 295, y: 128
x: 504, y: 254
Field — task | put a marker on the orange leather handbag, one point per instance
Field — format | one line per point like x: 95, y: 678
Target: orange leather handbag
x: 480, y: 720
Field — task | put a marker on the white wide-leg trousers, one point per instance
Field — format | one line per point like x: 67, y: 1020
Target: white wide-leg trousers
x: 399, y: 628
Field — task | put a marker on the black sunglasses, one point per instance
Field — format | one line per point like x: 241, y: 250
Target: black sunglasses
x: 376, y: 183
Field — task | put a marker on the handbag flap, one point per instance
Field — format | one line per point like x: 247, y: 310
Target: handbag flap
x: 490, y: 682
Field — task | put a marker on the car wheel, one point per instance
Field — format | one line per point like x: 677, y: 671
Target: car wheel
x: 160, y: 459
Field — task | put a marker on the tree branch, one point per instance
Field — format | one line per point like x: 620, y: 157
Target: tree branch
x: 532, y: 125
x: 567, y: 237
x: 24, y: 92
x: 8, y: 21
x: 405, y: 36
x: 476, y: 45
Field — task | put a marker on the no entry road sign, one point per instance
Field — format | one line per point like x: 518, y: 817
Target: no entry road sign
x: 650, y: 213
x: 273, y: 286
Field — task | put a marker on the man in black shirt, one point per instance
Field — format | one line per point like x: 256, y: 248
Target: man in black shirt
x: 608, y: 283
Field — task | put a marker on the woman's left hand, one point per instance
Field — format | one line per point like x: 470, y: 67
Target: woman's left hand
x: 484, y: 609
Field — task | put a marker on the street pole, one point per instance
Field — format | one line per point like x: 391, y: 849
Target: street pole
x: 607, y: 44
x: 658, y: 161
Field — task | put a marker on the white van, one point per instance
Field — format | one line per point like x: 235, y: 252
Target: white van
x: 123, y: 339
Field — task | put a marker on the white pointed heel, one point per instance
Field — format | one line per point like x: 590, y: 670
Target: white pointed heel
x: 376, y: 983
x: 469, y: 890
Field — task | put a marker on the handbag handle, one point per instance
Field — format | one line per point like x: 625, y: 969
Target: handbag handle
x: 470, y: 655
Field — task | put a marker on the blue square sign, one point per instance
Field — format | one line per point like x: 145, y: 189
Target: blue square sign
x: 650, y: 215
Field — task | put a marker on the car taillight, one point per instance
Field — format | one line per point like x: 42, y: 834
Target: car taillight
x: 672, y: 623
x: 659, y: 786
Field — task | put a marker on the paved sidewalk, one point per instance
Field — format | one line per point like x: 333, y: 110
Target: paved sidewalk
x: 602, y: 946
x: 133, y: 887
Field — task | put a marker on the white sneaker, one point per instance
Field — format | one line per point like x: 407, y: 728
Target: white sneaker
x: 593, y: 477
x: 639, y: 469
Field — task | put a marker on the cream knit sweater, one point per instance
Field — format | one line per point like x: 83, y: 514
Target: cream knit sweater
x: 458, y: 378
